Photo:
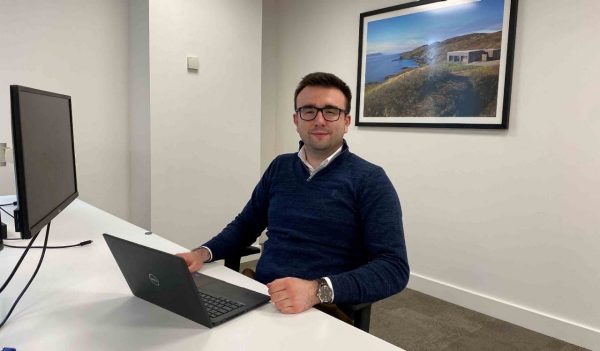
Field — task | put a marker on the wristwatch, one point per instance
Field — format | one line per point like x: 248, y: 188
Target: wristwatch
x: 324, y: 292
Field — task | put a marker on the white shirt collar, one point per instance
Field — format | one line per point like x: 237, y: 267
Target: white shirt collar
x: 302, y: 155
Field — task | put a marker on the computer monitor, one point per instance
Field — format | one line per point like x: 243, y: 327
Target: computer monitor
x: 44, y: 157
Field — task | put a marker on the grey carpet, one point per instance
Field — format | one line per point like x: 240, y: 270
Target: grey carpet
x: 415, y: 321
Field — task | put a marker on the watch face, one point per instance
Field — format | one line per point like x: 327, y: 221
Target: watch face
x: 324, y: 292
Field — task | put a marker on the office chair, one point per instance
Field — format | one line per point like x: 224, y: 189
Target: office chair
x: 233, y: 261
x: 360, y: 313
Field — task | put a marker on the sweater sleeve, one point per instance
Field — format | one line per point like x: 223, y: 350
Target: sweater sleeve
x: 247, y: 225
x: 387, y: 270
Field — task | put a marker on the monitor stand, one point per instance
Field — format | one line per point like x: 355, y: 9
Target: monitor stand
x: 3, y: 232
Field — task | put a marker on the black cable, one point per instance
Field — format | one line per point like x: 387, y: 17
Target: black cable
x: 30, y: 280
x: 3, y: 210
x: 83, y: 243
x: 18, y: 263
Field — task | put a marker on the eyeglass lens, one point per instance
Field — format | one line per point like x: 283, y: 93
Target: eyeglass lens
x: 329, y: 113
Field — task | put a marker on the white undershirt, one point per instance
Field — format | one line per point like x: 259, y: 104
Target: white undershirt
x: 311, y: 170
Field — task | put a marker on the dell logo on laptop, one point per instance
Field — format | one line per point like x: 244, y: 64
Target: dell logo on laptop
x: 153, y: 279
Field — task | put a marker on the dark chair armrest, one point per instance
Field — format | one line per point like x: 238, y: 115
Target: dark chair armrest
x: 360, y: 314
x: 233, y: 261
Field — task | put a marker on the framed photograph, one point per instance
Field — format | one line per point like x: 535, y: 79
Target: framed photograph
x: 435, y: 63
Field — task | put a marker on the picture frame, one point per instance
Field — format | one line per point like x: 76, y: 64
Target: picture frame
x: 436, y: 64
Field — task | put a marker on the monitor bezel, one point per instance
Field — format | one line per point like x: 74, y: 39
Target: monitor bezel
x: 29, y: 229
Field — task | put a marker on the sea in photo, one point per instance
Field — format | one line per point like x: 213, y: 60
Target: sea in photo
x: 380, y: 66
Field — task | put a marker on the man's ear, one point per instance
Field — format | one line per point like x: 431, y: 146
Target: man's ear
x: 347, y: 120
x: 296, y: 119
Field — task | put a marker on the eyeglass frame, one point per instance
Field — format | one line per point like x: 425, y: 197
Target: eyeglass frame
x: 321, y: 109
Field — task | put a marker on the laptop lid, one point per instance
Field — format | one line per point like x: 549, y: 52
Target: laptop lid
x: 164, y: 280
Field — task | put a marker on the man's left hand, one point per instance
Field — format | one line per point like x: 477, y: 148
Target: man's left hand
x: 293, y: 295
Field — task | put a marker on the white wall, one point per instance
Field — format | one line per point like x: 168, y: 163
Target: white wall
x: 503, y: 222
x: 78, y: 50
x: 269, y: 83
x: 205, y: 126
x: 139, y: 113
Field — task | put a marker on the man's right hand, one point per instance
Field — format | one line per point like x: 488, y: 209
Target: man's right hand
x: 195, y: 259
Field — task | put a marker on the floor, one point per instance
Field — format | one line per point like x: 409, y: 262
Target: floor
x: 415, y: 321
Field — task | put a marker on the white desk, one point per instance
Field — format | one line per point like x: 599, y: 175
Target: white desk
x: 80, y: 301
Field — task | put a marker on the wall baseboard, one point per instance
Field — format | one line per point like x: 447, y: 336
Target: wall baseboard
x: 569, y: 331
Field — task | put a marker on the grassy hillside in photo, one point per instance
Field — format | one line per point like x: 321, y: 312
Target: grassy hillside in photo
x: 441, y: 90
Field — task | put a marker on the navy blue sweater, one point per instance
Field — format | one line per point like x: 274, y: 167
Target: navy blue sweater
x: 345, y: 223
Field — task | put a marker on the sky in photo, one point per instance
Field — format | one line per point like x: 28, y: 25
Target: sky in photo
x: 406, y: 32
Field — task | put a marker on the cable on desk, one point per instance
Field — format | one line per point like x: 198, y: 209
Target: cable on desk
x: 18, y: 263
x: 5, y: 211
x: 83, y: 243
x: 33, y: 276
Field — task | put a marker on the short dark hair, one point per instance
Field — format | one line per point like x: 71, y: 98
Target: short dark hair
x: 325, y: 80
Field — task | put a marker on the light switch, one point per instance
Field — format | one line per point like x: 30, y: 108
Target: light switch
x: 193, y: 63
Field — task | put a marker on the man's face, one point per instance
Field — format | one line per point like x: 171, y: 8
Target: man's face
x: 319, y: 135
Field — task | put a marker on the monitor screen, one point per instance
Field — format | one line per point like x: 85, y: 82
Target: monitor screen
x: 44, y: 156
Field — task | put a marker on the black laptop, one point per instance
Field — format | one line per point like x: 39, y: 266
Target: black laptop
x: 164, y: 280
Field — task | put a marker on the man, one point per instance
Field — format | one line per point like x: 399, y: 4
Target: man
x: 333, y: 220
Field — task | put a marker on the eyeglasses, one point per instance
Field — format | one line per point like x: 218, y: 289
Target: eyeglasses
x: 331, y: 114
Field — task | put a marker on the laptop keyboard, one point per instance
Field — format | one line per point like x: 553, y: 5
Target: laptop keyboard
x: 217, y: 306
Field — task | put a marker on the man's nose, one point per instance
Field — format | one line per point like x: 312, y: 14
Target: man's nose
x: 320, y: 120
